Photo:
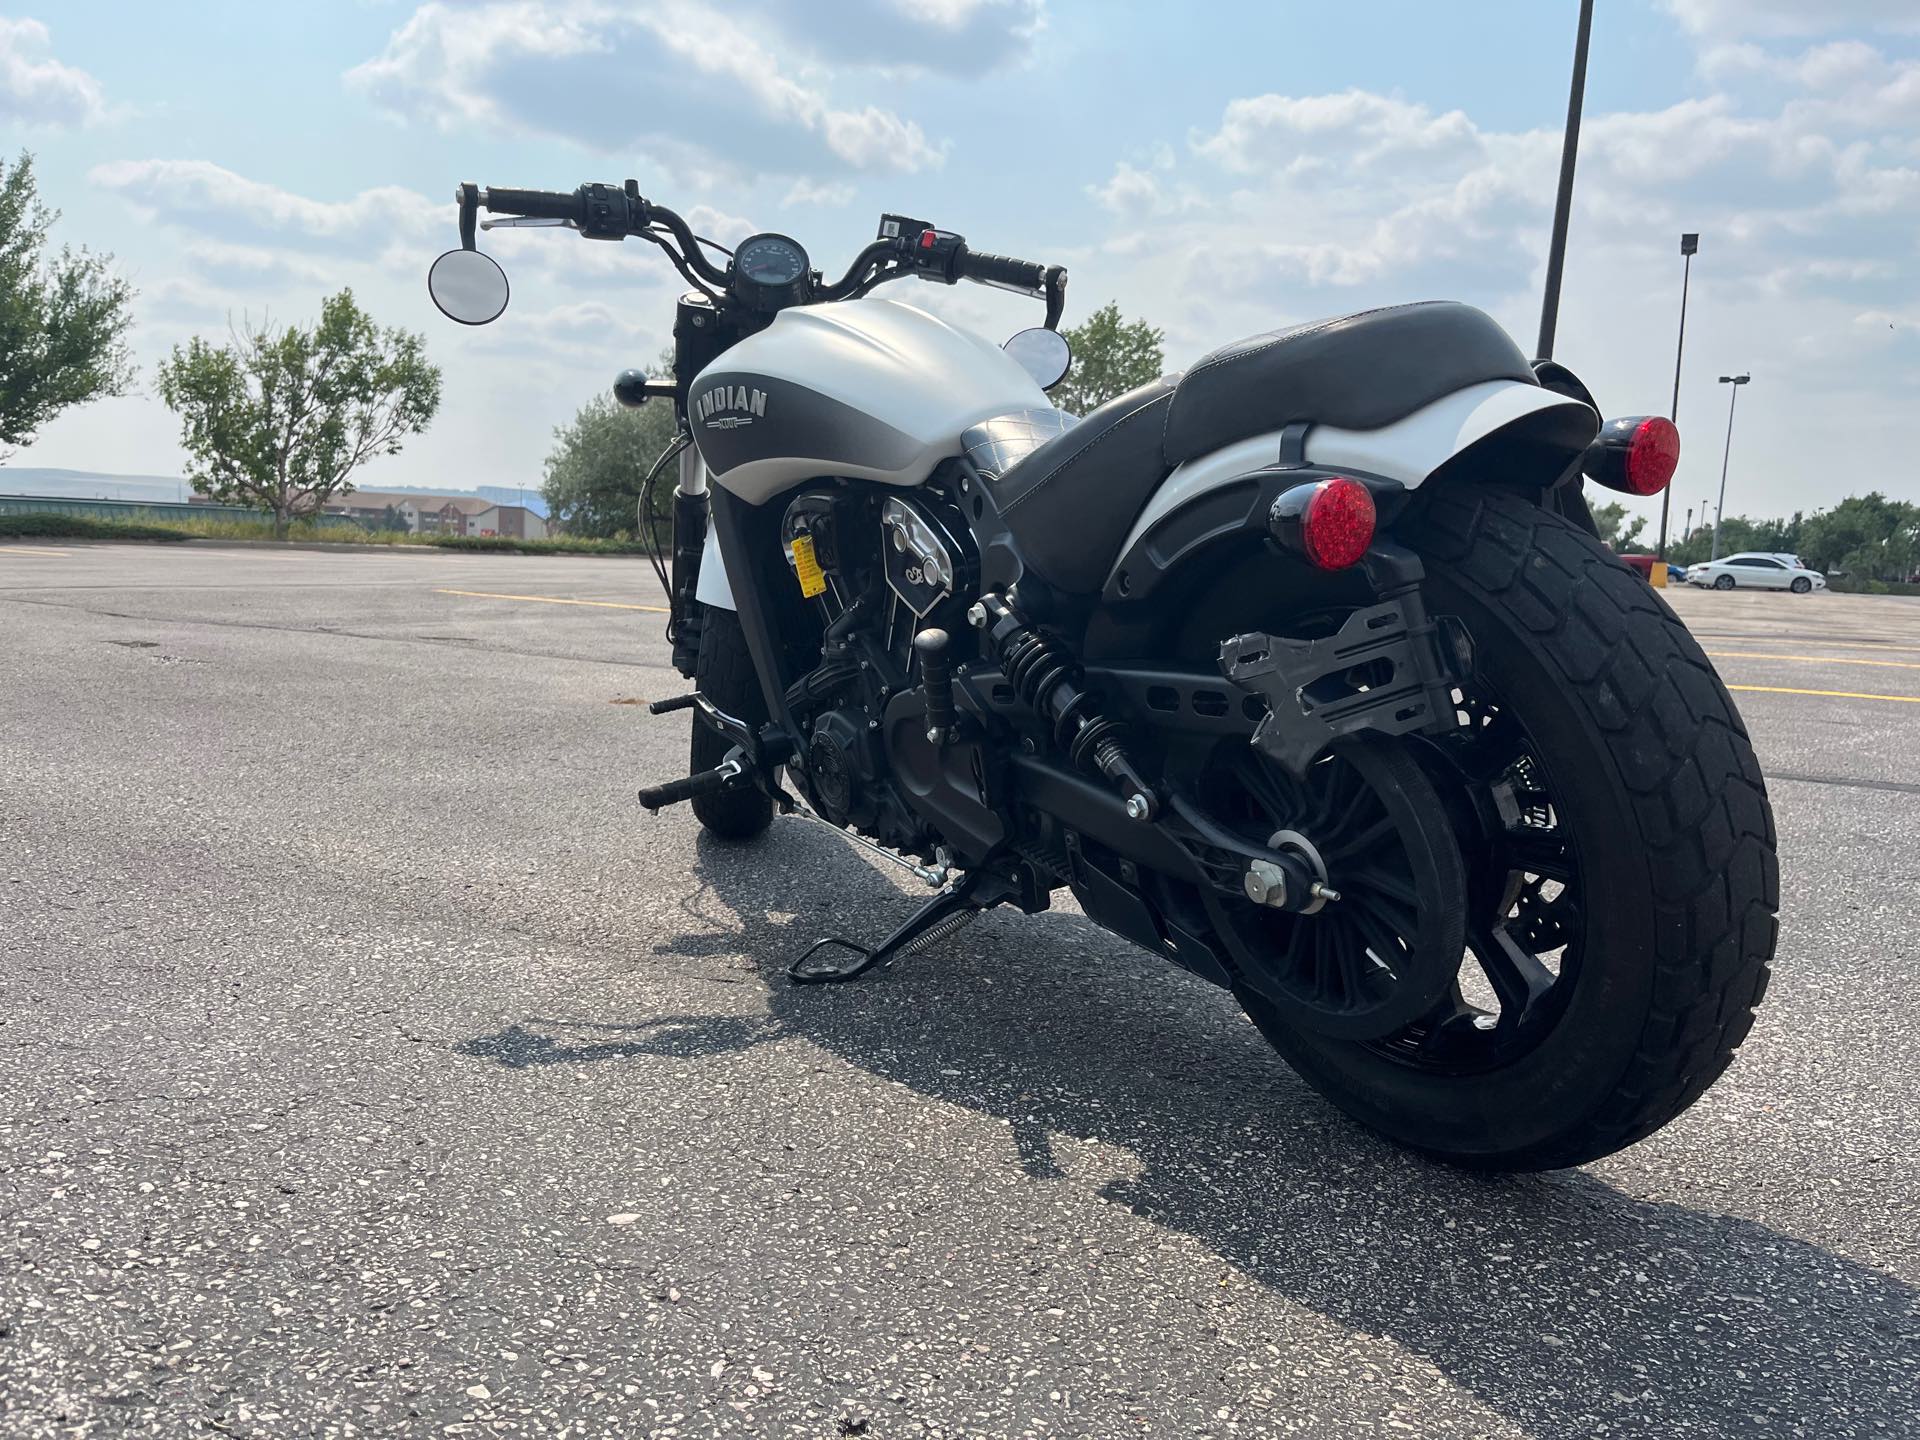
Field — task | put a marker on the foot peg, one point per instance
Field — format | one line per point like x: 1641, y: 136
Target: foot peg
x: 724, y: 776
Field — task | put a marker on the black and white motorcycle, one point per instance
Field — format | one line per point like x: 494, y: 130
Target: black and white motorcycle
x: 1303, y: 669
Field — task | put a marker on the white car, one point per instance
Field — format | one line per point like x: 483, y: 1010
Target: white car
x: 1754, y: 570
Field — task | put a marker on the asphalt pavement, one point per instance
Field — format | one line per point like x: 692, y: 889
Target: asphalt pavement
x: 371, y: 1065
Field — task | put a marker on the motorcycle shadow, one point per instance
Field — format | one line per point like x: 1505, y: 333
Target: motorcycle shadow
x: 1556, y: 1299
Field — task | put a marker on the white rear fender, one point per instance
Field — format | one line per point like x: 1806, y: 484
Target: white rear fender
x: 1408, y: 450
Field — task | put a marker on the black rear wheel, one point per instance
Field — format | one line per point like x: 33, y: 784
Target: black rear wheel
x: 1620, y: 879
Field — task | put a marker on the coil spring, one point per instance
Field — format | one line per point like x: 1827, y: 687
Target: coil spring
x: 1034, y: 666
x: 1046, y: 680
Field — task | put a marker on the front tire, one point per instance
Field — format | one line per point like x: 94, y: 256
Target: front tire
x: 1723, y: 582
x: 724, y: 673
x: 1633, y: 754
x: 1801, y: 585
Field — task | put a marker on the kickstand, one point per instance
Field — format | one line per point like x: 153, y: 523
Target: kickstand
x: 945, y: 914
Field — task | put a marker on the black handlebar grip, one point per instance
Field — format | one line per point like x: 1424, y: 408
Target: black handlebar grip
x: 1003, y: 270
x: 540, y: 204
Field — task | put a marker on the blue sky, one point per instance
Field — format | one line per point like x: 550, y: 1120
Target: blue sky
x: 1219, y: 170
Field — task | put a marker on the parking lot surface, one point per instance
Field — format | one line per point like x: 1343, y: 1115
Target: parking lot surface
x: 373, y: 1066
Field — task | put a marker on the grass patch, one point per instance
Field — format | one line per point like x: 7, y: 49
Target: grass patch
x: 1852, y: 585
x: 86, y: 527
x: 82, y: 527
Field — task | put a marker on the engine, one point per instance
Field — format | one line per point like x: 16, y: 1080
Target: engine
x: 875, y: 569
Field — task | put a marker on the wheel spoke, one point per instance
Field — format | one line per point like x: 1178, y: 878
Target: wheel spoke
x: 1538, y: 852
x: 1454, y: 1023
x: 1380, y: 938
x: 1271, y: 791
x: 1380, y: 882
x: 1517, y: 977
x: 1489, y: 750
x: 1360, y: 843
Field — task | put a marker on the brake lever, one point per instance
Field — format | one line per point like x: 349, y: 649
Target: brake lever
x: 517, y: 222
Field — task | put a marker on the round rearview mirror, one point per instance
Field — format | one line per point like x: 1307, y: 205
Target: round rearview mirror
x: 1044, y: 354
x: 468, y: 287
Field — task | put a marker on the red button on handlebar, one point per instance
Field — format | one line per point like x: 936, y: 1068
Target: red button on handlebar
x: 927, y: 237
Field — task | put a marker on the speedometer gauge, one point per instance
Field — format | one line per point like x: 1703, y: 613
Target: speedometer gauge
x: 770, y: 271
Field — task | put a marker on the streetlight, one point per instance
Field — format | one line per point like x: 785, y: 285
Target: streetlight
x: 1689, y: 245
x: 1720, y: 511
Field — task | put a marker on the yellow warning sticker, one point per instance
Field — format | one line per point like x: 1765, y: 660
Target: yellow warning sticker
x: 806, y: 565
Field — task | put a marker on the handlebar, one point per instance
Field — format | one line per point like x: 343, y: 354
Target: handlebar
x: 907, y: 247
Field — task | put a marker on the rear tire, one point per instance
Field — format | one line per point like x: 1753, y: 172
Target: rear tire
x: 1656, y: 788
x: 725, y: 675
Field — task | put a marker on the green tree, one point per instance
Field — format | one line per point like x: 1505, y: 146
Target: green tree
x: 599, y: 460
x: 1868, y: 536
x: 1110, y: 357
x: 63, y: 319
x: 1737, y: 533
x: 1611, y: 521
x: 280, y: 417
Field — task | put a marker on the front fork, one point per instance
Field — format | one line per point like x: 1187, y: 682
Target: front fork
x: 690, y: 514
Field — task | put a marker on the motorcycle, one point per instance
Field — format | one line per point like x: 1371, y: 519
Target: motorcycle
x: 1303, y: 669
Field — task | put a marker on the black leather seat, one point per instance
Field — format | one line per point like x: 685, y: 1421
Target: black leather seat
x: 1071, y: 492
x: 1358, y: 372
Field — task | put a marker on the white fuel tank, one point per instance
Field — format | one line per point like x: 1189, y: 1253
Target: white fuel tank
x: 869, y: 389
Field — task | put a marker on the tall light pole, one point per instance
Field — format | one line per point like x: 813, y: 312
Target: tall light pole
x: 1563, y: 202
x: 1720, y: 510
x: 1689, y: 245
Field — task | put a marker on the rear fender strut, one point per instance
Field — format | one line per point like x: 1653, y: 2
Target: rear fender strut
x: 1388, y: 669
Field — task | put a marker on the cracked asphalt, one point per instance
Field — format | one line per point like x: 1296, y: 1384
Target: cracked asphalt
x: 371, y: 1065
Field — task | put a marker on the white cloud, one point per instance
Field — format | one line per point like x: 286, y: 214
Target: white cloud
x: 37, y: 89
x: 255, y: 265
x: 1726, y: 18
x: 957, y: 37
x: 1131, y: 193
x: 1269, y: 131
x: 207, y: 200
x: 806, y: 192
x: 689, y: 85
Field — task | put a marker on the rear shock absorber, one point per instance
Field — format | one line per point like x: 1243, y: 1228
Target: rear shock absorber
x: 1047, y: 680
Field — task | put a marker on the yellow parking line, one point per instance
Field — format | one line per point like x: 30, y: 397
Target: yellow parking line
x: 1834, y: 694
x: 1806, y: 640
x: 556, y: 600
x: 1812, y: 659
x: 31, y: 550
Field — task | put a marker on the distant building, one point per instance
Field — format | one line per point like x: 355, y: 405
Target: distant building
x: 440, y: 514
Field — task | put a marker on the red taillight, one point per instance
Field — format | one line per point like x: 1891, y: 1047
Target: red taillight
x: 1329, y: 522
x: 1652, y: 455
x: 1635, y: 455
